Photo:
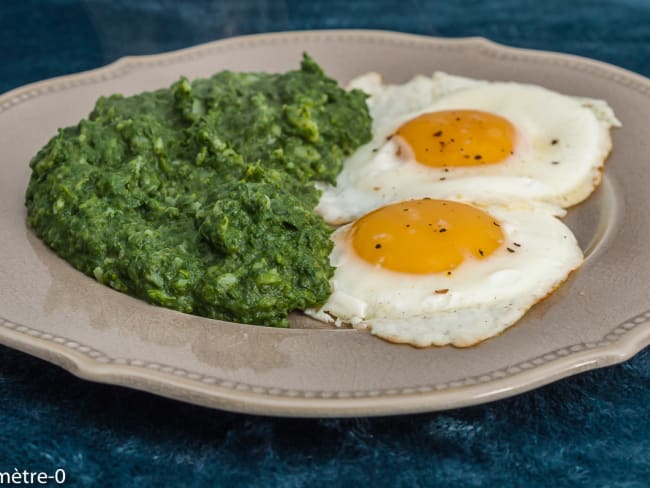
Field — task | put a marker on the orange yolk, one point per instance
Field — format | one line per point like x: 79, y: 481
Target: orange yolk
x: 458, y: 138
x: 425, y: 236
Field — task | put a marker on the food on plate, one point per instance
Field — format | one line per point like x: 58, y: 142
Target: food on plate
x: 478, y: 141
x: 451, y: 210
x: 436, y: 272
x: 213, y: 197
x: 200, y: 197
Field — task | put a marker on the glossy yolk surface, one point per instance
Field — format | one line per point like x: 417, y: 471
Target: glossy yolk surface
x: 425, y: 236
x: 458, y: 138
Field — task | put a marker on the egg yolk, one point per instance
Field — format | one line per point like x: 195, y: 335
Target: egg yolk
x: 425, y: 236
x: 458, y: 138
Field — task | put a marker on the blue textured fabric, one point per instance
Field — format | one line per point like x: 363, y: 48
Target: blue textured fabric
x: 589, y: 430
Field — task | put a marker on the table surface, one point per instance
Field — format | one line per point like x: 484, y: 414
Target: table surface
x: 588, y: 430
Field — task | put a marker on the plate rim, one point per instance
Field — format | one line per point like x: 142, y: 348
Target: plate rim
x: 622, y: 342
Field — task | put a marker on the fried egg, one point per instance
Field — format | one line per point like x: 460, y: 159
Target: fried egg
x: 456, y: 138
x: 436, y: 272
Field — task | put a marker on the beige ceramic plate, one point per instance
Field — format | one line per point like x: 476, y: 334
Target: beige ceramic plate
x: 599, y: 317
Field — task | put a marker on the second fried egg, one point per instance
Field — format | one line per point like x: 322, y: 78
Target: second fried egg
x: 436, y: 272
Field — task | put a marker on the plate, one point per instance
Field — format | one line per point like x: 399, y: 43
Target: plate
x: 599, y: 317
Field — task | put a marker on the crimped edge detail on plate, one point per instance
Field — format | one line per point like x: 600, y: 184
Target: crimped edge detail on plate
x: 485, y: 47
x: 502, y: 373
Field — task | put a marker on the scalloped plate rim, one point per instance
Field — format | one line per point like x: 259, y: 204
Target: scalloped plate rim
x: 12, y: 335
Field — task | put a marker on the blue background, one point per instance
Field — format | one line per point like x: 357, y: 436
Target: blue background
x: 589, y: 430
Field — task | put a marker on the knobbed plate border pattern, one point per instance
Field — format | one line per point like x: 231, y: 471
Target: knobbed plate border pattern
x: 101, y: 358
x: 100, y: 367
x: 126, y: 65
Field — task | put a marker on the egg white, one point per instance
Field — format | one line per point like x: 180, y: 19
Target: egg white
x: 558, y: 158
x: 478, y: 300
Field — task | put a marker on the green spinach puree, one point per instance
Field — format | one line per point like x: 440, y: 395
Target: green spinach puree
x: 200, y: 197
